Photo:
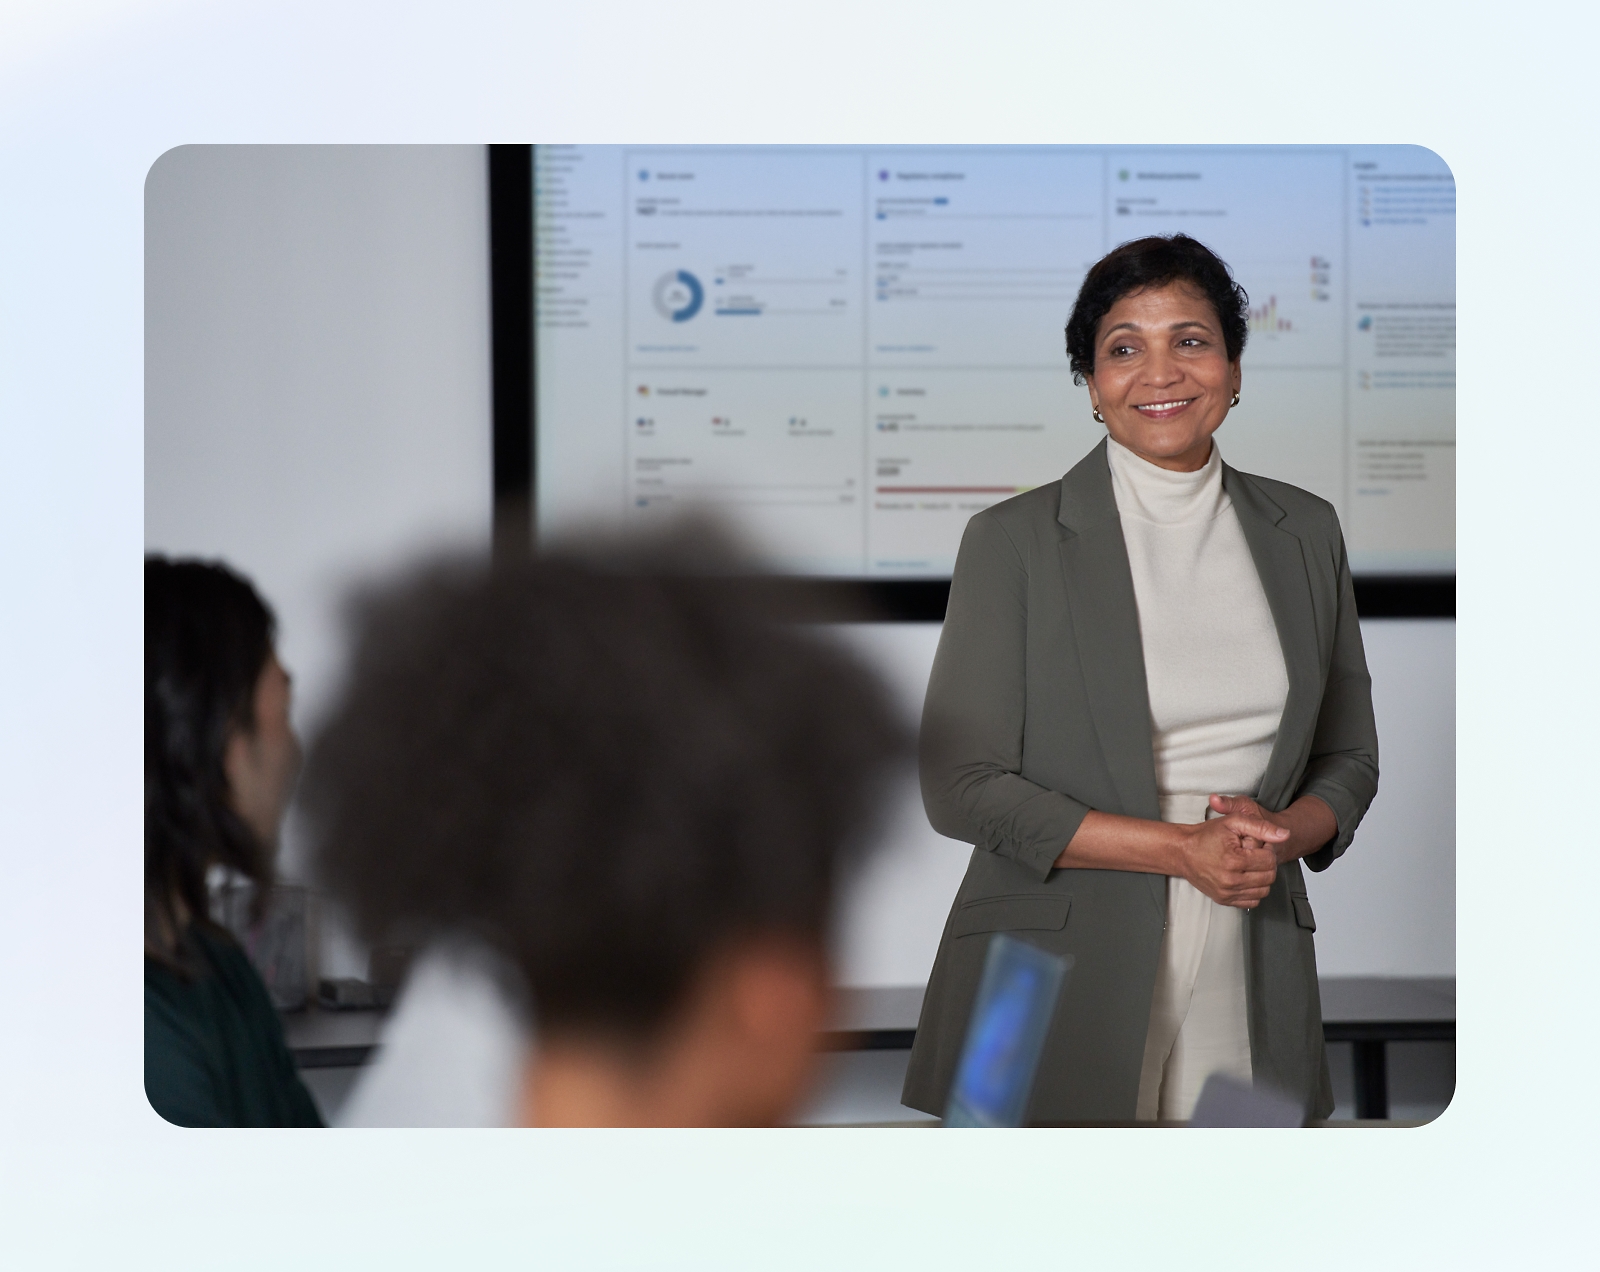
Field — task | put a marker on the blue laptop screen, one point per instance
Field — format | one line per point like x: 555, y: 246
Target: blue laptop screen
x: 1010, y: 1018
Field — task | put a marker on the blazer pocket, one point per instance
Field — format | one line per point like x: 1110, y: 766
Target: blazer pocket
x: 1302, y: 912
x: 1005, y: 914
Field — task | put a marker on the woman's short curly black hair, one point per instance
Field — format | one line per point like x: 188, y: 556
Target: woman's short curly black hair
x: 604, y: 773
x: 1154, y: 262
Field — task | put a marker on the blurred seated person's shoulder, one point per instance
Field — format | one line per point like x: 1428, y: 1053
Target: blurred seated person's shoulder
x: 452, y: 1050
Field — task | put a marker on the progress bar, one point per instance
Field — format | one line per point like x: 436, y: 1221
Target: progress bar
x: 951, y: 490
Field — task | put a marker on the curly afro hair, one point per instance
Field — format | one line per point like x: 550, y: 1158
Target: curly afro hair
x: 605, y: 772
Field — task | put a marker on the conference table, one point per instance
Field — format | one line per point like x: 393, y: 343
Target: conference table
x: 1368, y: 1012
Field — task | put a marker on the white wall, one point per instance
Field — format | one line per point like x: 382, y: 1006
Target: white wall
x: 317, y: 403
x: 316, y: 369
x: 1386, y: 908
x: 317, y: 410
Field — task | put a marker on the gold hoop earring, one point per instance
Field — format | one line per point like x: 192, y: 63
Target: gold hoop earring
x: 1235, y: 401
x: 1098, y: 418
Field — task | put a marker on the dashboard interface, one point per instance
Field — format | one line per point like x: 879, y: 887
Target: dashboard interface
x: 848, y: 351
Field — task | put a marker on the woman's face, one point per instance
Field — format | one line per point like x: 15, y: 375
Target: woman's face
x: 1162, y: 378
x: 262, y: 763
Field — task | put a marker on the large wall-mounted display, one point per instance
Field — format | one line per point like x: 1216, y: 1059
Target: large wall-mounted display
x: 850, y: 351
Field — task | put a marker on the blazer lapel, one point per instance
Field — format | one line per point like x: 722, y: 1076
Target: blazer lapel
x: 1280, y: 561
x: 1105, y: 626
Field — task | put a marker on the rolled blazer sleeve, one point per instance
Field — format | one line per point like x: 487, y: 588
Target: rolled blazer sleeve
x: 1343, y: 767
x: 973, y: 717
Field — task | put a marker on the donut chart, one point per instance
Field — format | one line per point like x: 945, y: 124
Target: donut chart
x: 678, y: 295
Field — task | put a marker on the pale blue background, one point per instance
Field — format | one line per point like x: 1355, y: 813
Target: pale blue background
x: 91, y: 94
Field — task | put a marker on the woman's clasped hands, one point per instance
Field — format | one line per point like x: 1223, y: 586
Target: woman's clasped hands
x: 1233, y: 858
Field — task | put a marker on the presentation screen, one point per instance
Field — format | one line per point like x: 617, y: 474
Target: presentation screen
x: 848, y: 351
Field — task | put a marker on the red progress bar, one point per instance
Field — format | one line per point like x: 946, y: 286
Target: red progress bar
x: 950, y: 490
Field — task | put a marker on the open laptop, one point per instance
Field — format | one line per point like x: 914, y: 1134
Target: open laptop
x: 1011, y: 1015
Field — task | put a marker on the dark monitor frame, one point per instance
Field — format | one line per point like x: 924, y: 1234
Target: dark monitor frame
x: 514, y: 344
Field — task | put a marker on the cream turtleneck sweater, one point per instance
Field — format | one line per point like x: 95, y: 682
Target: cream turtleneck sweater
x: 1217, y: 686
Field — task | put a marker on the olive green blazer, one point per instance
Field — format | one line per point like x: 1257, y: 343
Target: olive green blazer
x: 1037, y: 711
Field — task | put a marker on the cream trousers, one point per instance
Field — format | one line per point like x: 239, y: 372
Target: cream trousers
x: 1198, y: 1022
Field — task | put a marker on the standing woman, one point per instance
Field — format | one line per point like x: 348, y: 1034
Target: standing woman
x: 1149, y: 704
x: 220, y: 759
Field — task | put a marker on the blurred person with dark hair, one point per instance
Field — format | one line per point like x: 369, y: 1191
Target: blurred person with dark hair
x: 1149, y: 705
x: 220, y: 760
x: 640, y: 795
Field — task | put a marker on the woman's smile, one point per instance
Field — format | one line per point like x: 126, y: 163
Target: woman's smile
x: 1163, y: 409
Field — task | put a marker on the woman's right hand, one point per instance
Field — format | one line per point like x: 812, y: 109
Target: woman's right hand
x: 1226, y: 859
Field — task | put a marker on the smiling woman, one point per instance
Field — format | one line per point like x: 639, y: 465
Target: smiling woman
x: 1157, y: 335
x: 1150, y: 702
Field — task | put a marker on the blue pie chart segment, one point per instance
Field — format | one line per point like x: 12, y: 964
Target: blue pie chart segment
x: 678, y: 295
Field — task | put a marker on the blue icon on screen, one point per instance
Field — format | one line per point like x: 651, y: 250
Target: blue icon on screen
x: 1366, y: 322
x: 644, y: 174
x: 883, y: 174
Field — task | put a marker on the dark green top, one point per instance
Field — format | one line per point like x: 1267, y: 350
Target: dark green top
x: 214, y: 1053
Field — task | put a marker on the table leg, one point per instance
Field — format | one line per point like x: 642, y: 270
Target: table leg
x: 1372, y: 1079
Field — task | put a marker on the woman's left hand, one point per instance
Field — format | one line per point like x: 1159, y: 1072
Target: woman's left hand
x: 1309, y: 821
